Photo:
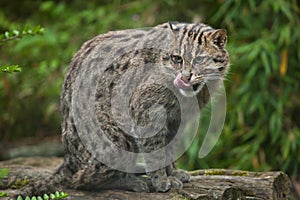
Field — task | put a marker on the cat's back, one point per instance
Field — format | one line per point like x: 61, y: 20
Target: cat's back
x: 111, y: 44
x: 105, y: 49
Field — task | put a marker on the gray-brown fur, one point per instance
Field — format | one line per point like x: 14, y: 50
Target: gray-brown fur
x: 124, y: 52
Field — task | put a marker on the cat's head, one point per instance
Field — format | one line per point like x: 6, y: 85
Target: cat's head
x: 198, y: 54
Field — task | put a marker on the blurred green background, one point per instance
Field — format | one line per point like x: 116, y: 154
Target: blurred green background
x: 261, y: 131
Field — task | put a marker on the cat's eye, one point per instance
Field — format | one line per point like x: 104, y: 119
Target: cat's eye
x: 176, y: 59
x: 198, y: 60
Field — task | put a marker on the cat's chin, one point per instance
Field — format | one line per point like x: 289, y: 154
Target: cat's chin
x: 191, y: 92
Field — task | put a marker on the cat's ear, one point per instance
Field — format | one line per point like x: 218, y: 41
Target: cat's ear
x: 217, y: 37
x: 173, y: 27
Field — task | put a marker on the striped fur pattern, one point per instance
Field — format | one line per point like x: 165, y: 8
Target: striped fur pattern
x: 192, y: 54
x: 198, y: 51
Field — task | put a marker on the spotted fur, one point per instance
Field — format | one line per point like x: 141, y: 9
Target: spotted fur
x: 196, y: 51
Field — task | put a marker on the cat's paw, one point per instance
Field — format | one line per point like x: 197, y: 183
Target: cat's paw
x: 161, y: 184
x: 175, y: 182
x: 182, y: 175
x: 139, y: 186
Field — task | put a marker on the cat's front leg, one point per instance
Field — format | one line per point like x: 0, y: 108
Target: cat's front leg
x: 156, y: 165
x: 180, y: 174
x: 172, y: 170
x: 155, y: 162
x: 161, y: 182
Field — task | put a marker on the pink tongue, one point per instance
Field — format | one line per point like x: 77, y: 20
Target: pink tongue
x: 179, y: 83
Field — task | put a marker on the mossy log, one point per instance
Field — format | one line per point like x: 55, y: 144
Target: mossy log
x: 208, y: 184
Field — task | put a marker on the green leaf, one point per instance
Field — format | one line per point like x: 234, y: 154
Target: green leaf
x: 57, y: 194
x: 3, y: 194
x: 10, y: 68
x: 19, y: 197
x: 52, y: 196
x: 63, y: 195
x: 285, y: 8
x: 46, y: 197
x: 286, y: 148
x: 4, y: 172
x: 6, y: 34
x: 17, y: 34
x: 265, y: 62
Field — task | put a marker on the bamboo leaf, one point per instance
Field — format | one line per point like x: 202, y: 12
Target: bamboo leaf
x: 286, y: 147
x: 265, y: 62
x: 285, y: 8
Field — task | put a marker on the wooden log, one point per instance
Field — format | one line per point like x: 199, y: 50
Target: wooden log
x: 210, y: 184
x: 234, y: 184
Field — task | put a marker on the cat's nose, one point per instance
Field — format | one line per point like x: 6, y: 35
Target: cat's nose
x: 186, y: 75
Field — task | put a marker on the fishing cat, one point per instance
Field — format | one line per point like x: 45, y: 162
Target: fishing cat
x: 119, y: 88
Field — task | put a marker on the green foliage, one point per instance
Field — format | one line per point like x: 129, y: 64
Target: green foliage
x: 3, y: 194
x: 18, y: 34
x: 3, y: 172
x: 10, y: 68
x: 31, y: 99
x: 261, y: 131
x: 57, y: 195
x: 20, y: 183
x: 53, y: 196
